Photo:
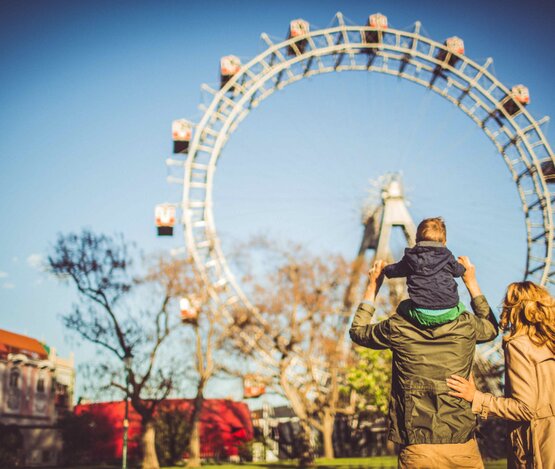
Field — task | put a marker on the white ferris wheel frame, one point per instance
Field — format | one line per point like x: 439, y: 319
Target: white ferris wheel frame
x: 466, y: 84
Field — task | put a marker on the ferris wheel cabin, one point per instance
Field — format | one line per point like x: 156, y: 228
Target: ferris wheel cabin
x: 165, y: 219
x: 454, y: 46
x: 297, y: 30
x: 516, y: 99
x: 189, y: 313
x: 253, y: 386
x: 548, y: 171
x: 378, y: 22
x: 182, y: 131
x: 229, y: 66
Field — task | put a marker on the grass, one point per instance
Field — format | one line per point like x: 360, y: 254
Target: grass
x: 383, y: 462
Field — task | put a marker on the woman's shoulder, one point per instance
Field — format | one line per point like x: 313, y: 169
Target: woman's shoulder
x: 518, y: 341
x: 521, y: 343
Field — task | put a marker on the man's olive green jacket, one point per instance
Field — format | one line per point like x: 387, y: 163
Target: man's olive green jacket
x: 420, y: 409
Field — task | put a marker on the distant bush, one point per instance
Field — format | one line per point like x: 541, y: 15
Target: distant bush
x: 172, y: 434
x: 81, y: 436
x: 11, y: 446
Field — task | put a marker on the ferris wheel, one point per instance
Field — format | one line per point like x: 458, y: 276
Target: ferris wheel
x: 498, y: 110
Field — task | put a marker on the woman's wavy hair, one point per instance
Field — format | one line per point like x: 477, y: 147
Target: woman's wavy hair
x: 530, y: 309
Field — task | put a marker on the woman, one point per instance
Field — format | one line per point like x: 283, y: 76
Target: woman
x: 529, y: 317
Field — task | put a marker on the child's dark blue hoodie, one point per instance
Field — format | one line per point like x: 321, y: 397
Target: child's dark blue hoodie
x: 430, y: 269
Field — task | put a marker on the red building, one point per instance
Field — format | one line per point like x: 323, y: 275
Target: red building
x: 225, y: 426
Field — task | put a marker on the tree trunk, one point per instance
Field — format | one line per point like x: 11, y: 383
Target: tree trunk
x: 194, y: 442
x: 150, y: 460
x: 194, y: 446
x: 306, y: 458
x: 327, y: 434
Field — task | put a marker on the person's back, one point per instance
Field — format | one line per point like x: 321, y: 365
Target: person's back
x: 422, y: 414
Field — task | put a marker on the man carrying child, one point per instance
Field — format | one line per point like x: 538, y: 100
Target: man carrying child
x: 432, y: 337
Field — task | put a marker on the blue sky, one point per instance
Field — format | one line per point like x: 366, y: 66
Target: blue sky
x: 88, y: 91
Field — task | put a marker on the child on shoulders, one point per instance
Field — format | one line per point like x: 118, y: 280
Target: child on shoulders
x: 430, y: 269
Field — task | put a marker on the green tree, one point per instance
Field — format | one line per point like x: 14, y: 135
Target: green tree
x: 370, y: 378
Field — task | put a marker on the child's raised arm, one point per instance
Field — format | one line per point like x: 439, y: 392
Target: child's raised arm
x: 457, y: 267
x: 400, y: 269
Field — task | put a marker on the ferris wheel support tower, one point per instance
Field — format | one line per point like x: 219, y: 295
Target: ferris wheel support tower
x: 379, y: 222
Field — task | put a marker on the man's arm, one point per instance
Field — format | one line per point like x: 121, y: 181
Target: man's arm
x: 362, y: 332
x: 400, y: 269
x: 374, y: 336
x: 485, y: 323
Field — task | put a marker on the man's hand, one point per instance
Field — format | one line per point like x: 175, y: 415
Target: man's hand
x: 469, y: 277
x: 470, y: 272
x: 376, y: 270
x: 463, y: 388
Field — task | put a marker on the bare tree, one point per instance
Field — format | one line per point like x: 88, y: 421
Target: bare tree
x: 300, y: 321
x: 125, y: 315
x: 209, y: 333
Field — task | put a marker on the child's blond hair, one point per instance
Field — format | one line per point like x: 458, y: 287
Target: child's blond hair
x: 432, y: 229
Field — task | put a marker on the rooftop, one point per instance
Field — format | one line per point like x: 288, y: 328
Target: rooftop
x: 10, y: 342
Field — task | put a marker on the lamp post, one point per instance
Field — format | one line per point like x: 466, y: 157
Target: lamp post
x: 127, y: 362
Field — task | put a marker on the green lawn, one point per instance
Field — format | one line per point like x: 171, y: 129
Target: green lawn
x: 383, y: 462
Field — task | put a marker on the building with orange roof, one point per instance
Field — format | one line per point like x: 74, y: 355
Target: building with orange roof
x: 36, y: 388
x: 11, y: 342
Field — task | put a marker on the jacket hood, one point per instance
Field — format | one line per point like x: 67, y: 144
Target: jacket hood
x: 427, y: 258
